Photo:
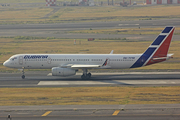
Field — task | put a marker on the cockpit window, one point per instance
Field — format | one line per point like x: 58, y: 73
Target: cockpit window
x: 12, y: 58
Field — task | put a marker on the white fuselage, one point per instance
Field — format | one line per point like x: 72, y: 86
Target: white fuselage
x: 48, y: 61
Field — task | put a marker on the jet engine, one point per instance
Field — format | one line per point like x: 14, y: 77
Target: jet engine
x: 57, y: 71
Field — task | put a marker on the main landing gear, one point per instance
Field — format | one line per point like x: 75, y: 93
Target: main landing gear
x: 85, y: 75
x: 23, y: 76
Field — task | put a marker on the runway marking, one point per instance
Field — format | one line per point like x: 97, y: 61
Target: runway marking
x: 109, y: 82
x: 46, y: 113
x: 116, y: 112
x: 76, y: 82
x: 127, y: 24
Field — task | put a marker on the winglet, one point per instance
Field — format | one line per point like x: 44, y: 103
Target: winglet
x: 105, y: 63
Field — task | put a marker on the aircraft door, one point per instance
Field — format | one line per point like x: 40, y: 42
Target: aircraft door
x: 49, y: 60
x: 20, y: 60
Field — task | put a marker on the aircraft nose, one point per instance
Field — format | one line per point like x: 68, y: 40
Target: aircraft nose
x: 5, y: 63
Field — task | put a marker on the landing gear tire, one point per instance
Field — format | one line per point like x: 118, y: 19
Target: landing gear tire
x: 87, y: 76
x: 83, y: 77
x: 23, y: 76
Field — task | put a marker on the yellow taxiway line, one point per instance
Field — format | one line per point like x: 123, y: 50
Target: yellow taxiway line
x: 46, y: 113
x: 116, y: 112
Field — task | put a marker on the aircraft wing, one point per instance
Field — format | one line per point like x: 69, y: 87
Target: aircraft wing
x: 80, y: 66
x: 85, y: 66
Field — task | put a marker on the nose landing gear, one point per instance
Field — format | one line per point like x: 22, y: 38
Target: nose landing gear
x: 23, y: 76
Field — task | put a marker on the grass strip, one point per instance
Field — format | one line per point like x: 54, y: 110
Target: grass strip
x: 37, y: 15
x: 89, y: 95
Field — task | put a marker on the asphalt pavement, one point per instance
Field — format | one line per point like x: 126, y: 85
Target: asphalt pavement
x: 59, y: 30
x: 44, y: 79
x: 89, y: 112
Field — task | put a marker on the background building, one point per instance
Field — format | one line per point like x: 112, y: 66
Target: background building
x: 50, y: 2
x: 86, y: 2
x: 162, y: 2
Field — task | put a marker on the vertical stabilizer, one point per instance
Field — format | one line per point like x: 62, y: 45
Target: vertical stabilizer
x: 158, y: 49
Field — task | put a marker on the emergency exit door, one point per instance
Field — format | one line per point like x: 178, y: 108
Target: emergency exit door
x: 20, y: 60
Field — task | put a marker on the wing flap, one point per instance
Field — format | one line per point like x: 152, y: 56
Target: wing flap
x: 80, y: 66
x: 85, y: 66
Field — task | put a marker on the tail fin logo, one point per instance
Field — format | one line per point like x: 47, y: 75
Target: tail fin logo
x: 106, y: 62
x: 163, y: 46
x: 159, y: 48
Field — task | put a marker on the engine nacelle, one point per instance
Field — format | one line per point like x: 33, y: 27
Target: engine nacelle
x: 57, y: 71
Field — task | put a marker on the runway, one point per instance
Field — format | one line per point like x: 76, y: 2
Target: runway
x: 59, y: 30
x: 42, y: 79
x: 87, y: 25
x: 95, y: 112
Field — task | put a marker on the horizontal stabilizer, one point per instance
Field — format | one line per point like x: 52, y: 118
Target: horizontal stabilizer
x: 170, y: 55
x: 161, y: 58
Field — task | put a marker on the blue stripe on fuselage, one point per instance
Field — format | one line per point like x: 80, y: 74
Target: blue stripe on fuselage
x: 144, y: 57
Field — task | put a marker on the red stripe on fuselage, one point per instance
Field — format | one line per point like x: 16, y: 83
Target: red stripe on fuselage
x: 162, y: 50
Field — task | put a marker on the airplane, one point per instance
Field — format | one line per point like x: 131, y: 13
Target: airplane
x: 69, y: 64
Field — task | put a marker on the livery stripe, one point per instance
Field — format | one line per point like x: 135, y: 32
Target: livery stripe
x: 158, y: 48
x: 149, y: 51
x: 162, y: 50
x: 144, y: 57
x: 158, y: 40
x: 167, y: 30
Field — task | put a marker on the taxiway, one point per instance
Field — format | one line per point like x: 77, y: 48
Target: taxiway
x: 59, y: 30
x: 89, y: 112
x: 43, y: 79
